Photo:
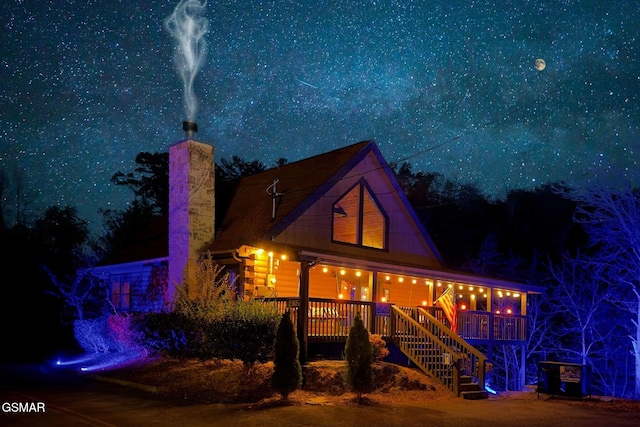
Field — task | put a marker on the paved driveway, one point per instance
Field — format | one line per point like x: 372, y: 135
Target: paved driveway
x: 70, y: 400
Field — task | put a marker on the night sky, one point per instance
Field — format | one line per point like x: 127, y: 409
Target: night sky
x: 449, y: 86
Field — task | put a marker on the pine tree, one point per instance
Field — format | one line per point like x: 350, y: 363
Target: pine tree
x: 287, y: 372
x: 359, y: 355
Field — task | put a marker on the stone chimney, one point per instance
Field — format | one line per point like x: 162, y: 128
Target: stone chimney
x: 191, y: 206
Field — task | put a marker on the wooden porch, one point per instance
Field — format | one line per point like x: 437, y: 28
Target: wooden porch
x: 421, y: 333
x: 329, y: 321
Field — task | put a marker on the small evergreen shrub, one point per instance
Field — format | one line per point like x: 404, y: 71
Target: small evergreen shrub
x: 359, y: 355
x: 287, y: 372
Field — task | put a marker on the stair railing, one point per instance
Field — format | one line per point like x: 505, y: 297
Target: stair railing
x: 472, y: 362
x: 425, y: 349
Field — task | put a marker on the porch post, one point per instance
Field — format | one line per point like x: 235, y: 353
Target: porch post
x: 303, y: 309
x: 523, y: 367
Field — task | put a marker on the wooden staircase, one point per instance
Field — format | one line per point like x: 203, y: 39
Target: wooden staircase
x: 471, y: 390
x: 439, y: 352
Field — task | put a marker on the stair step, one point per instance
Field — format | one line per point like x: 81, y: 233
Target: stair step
x: 464, y: 379
x: 469, y: 387
x: 475, y: 395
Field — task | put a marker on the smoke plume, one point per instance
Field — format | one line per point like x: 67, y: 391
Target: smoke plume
x: 188, y: 28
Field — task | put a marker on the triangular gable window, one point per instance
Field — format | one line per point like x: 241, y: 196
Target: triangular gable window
x: 358, y: 219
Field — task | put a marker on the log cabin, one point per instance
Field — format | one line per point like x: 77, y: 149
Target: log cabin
x: 325, y: 237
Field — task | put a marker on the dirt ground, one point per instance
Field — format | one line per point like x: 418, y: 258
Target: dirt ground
x: 224, y: 381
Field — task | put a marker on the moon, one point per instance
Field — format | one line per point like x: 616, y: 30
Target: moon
x: 540, y: 64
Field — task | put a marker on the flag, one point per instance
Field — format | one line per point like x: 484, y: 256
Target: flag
x: 448, y: 304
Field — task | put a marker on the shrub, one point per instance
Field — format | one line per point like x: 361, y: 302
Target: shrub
x: 93, y: 336
x: 379, y: 346
x: 165, y: 333
x: 287, y: 372
x: 211, y: 321
x: 359, y: 355
x: 123, y: 332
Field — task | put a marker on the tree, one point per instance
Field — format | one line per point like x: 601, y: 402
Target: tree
x: 4, y: 186
x: 287, y: 372
x: 150, y: 182
x: 79, y: 291
x: 150, y: 186
x: 359, y: 355
x: 611, y: 221
x: 61, y: 239
x: 122, y: 226
x: 229, y: 170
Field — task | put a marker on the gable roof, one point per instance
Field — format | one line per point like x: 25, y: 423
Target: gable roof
x: 250, y: 215
x: 250, y: 219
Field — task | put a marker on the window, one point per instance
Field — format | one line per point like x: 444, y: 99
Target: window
x: 120, y: 295
x: 358, y: 219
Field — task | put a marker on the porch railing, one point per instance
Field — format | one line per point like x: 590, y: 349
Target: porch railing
x: 329, y: 320
x: 485, y: 326
x: 472, y: 362
x: 425, y: 349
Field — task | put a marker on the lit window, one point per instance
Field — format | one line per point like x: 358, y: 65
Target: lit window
x: 120, y: 295
x: 358, y: 219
